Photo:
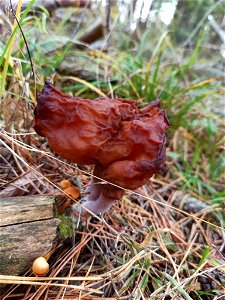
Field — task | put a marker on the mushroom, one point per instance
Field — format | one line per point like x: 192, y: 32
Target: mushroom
x: 40, y: 266
x: 126, y: 144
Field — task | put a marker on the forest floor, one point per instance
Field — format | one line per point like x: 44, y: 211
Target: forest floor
x: 163, y: 241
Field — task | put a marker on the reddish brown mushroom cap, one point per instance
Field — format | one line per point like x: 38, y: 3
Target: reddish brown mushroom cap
x: 126, y: 144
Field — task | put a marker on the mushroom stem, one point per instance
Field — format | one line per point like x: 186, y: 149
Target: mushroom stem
x: 99, y: 205
x: 100, y: 197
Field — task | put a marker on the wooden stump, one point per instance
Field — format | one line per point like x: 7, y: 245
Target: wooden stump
x: 27, y: 230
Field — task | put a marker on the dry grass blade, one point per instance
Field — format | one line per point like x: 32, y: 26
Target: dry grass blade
x: 75, y: 278
x: 47, y: 284
x: 88, y: 84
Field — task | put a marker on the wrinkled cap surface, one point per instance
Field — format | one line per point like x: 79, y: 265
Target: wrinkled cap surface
x: 126, y: 144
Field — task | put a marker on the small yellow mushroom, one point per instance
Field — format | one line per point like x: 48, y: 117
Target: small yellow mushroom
x: 40, y: 266
x: 65, y: 183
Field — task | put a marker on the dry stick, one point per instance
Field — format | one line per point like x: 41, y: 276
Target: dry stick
x: 4, y: 134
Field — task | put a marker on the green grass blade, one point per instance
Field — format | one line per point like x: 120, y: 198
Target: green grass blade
x: 179, y: 288
x: 205, y: 254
